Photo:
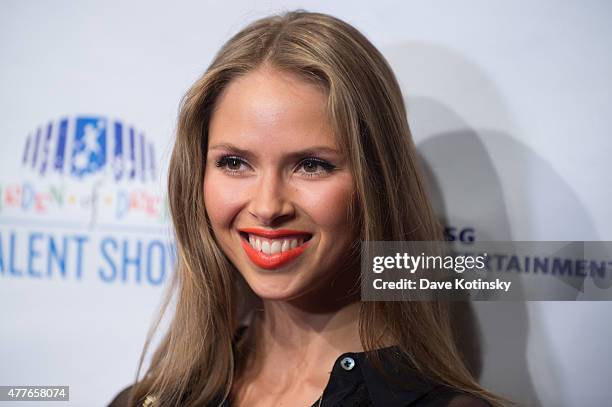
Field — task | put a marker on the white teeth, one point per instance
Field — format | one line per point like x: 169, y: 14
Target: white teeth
x: 274, y: 246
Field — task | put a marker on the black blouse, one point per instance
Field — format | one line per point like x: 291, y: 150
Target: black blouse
x: 355, y: 382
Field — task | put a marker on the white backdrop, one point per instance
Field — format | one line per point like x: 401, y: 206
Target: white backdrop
x: 509, y: 105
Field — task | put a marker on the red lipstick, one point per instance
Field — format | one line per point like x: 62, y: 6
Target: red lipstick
x: 273, y: 261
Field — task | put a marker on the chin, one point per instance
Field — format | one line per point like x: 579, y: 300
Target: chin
x: 276, y: 286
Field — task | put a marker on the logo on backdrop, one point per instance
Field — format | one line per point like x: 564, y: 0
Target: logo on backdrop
x: 94, y: 146
x: 88, y: 168
x: 82, y: 182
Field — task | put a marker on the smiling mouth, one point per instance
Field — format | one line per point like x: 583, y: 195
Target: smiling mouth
x: 271, y: 253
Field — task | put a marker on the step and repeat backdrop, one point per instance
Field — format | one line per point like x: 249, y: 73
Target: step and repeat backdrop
x: 508, y: 104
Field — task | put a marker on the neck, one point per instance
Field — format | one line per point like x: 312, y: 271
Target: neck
x: 323, y: 321
x: 304, y: 343
x: 295, y: 348
x: 309, y: 332
x: 288, y: 330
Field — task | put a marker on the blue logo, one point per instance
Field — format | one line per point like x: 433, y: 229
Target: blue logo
x: 87, y: 145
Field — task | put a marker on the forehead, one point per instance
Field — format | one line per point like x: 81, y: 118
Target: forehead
x: 269, y: 108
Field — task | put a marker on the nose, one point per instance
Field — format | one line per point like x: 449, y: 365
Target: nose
x: 270, y: 203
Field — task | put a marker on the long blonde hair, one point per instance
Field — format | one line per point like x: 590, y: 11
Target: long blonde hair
x: 194, y: 363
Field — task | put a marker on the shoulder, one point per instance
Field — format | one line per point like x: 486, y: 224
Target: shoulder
x: 443, y: 396
x: 400, y: 385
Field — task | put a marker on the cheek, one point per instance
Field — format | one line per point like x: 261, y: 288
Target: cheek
x: 221, y: 199
x: 327, y: 205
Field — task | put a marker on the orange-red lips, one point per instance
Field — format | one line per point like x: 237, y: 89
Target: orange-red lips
x: 287, y: 240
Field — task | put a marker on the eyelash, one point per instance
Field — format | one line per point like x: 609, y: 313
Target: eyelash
x: 223, y: 162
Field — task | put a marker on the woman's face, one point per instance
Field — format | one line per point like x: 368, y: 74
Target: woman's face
x: 276, y: 187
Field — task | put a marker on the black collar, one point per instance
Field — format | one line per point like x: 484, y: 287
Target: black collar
x: 354, y: 372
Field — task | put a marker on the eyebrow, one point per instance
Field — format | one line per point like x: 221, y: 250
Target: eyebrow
x: 295, y: 154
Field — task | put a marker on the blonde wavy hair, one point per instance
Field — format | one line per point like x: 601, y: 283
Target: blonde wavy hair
x: 195, y: 361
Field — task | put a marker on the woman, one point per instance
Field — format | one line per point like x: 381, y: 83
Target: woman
x: 291, y: 149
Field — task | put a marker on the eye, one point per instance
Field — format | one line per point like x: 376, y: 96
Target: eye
x: 315, y: 167
x: 231, y: 164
